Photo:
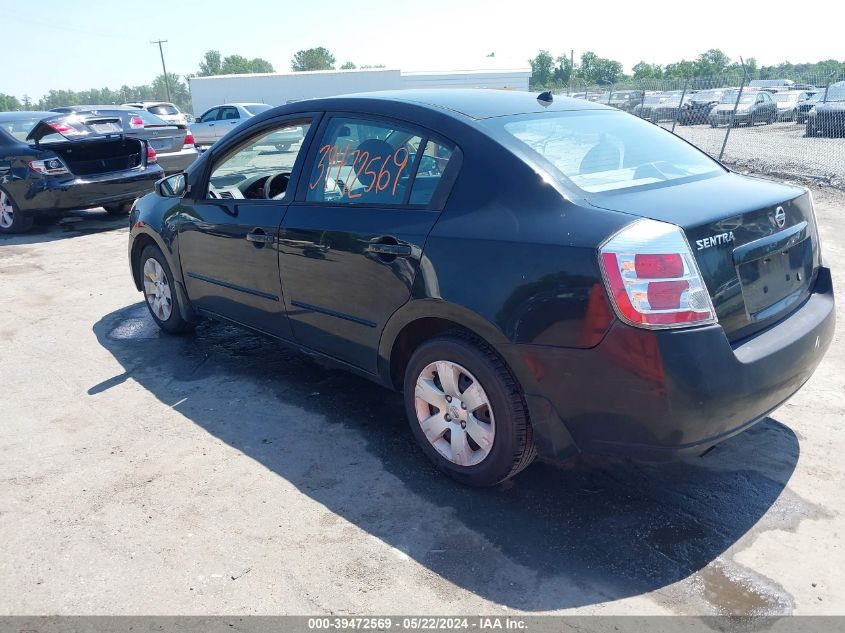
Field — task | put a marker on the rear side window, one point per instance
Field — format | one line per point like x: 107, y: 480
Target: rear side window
x: 163, y: 109
x: 375, y: 162
x: 227, y: 114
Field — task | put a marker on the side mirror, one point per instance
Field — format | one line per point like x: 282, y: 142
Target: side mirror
x: 175, y: 186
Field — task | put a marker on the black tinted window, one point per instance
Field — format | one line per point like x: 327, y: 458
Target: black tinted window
x: 163, y: 109
x: 373, y: 162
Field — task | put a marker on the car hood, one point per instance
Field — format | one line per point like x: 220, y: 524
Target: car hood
x: 77, y: 127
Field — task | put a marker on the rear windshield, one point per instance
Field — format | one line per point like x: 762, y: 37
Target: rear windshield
x: 20, y: 128
x: 257, y: 108
x: 747, y: 97
x: 607, y: 151
x: 163, y: 109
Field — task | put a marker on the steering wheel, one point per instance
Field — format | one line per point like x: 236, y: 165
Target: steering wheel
x: 277, y: 179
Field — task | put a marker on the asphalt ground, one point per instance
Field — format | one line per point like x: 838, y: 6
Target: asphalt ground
x: 220, y: 473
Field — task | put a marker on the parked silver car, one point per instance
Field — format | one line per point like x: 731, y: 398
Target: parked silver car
x: 162, y: 109
x: 216, y: 122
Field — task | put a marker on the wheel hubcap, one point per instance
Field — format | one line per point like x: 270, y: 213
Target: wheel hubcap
x: 454, y: 413
x: 157, y: 290
x: 6, y: 213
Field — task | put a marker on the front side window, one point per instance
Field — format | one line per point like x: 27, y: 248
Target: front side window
x: 599, y: 151
x: 261, y: 168
x: 211, y: 115
x: 369, y: 162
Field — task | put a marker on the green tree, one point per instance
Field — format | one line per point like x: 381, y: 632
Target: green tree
x: 599, y: 70
x: 348, y: 66
x: 9, y: 103
x: 679, y: 70
x: 711, y: 63
x: 180, y: 95
x: 644, y: 70
x: 211, y: 64
x: 563, y: 71
x: 312, y: 59
x: 261, y: 66
x: 542, y: 70
x: 373, y: 66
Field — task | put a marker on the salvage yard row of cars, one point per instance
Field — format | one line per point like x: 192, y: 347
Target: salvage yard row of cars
x: 88, y: 156
x: 821, y: 110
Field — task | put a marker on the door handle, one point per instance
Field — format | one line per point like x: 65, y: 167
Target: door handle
x: 259, y: 237
x: 392, y: 250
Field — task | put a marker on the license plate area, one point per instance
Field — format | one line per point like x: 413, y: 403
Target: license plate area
x: 106, y: 128
x: 776, y: 280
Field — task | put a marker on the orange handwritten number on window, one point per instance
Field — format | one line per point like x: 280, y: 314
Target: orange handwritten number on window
x: 325, y: 150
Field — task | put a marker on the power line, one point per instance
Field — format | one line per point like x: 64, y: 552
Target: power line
x: 163, y: 67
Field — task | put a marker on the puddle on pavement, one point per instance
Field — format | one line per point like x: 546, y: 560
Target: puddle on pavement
x: 732, y: 594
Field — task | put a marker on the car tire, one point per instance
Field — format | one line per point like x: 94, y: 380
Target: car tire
x: 283, y: 147
x: 501, y: 442
x: 160, y: 292
x: 119, y: 209
x: 11, y: 219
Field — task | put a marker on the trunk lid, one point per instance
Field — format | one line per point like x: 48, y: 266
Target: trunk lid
x: 755, y: 242
x: 73, y: 127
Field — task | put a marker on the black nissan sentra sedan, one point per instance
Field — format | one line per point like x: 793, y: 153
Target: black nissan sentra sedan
x: 538, y: 277
x: 51, y: 163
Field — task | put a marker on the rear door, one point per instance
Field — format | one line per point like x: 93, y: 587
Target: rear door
x: 228, y: 233
x: 227, y: 119
x: 351, y: 244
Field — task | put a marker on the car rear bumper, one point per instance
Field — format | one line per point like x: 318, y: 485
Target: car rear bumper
x: 47, y: 195
x: 725, y: 119
x: 175, y: 162
x: 659, y: 395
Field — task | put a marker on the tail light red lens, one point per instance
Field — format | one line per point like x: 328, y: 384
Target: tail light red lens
x: 189, y: 140
x: 653, y: 279
x: 151, y: 155
x: 136, y: 122
x: 658, y: 266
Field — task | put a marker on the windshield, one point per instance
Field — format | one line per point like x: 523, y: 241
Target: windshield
x: 836, y: 92
x: 785, y: 98
x: 707, y: 95
x: 257, y: 108
x: 607, y: 151
x: 747, y: 97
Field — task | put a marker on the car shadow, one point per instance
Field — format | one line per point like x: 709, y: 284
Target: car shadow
x: 553, y: 537
x: 70, y: 224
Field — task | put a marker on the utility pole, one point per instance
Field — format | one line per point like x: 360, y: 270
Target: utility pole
x: 163, y: 67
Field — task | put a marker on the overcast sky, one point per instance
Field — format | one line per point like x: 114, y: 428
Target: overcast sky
x: 86, y: 44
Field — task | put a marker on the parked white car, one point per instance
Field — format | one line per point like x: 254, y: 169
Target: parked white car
x: 162, y: 109
x: 217, y: 121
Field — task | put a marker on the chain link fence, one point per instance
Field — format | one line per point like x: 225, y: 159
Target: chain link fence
x: 792, y: 127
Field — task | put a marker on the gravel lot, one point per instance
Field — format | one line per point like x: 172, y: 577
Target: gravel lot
x: 223, y: 474
x: 780, y: 148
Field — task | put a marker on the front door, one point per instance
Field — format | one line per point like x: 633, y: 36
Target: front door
x: 228, y: 234
x: 351, y: 244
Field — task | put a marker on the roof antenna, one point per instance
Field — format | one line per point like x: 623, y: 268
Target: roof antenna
x: 545, y: 98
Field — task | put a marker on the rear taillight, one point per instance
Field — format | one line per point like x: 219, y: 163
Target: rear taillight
x: 151, y: 155
x: 653, y: 279
x: 50, y: 167
x: 136, y: 122
x: 67, y: 129
x: 189, y: 140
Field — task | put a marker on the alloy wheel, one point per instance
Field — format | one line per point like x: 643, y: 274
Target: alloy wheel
x: 7, y: 213
x: 454, y: 413
x: 157, y: 290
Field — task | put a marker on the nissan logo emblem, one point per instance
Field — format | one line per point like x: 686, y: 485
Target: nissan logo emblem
x: 780, y: 217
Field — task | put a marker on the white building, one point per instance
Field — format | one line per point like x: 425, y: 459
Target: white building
x: 281, y: 88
